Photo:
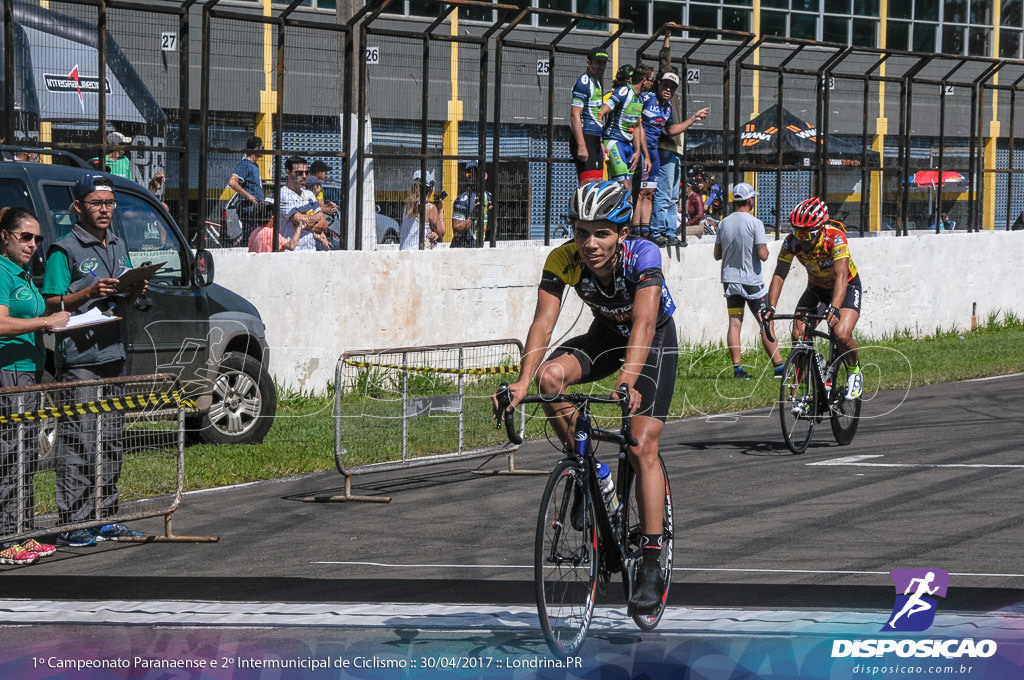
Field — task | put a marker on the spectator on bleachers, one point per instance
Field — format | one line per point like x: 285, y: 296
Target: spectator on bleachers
x: 623, y: 134
x: 315, y: 183
x: 584, y: 123
x: 410, y: 237
x: 466, y: 208
x: 299, y: 208
x: 262, y: 239
x: 117, y: 160
x: 247, y: 183
x: 694, y: 208
x: 659, y: 119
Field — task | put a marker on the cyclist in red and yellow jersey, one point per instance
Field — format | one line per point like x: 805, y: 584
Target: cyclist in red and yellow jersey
x: 832, y: 281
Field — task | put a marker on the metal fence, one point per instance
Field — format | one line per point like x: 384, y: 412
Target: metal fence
x: 416, y: 404
x: 379, y: 95
x: 113, y: 449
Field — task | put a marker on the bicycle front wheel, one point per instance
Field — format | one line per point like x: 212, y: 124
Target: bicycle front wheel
x: 565, y: 560
x: 798, y: 400
x: 631, y: 520
x: 845, y: 412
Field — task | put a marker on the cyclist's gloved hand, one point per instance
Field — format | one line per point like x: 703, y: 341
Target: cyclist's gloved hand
x: 632, y: 395
x: 508, y: 397
x: 831, y: 315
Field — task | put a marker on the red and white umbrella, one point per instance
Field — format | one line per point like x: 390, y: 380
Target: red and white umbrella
x: 929, y: 179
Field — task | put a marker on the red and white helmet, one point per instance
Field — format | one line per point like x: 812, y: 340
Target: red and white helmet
x: 808, y: 218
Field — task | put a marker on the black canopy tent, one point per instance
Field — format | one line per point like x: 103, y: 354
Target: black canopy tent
x: 761, y: 137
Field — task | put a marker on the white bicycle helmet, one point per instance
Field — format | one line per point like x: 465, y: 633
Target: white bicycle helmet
x: 601, y: 201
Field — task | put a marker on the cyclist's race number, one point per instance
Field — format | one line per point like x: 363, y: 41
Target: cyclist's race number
x: 168, y: 41
x: 543, y: 67
x: 373, y: 55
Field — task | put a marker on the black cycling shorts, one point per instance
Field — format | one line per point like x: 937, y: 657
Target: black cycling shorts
x: 751, y: 298
x: 815, y: 300
x: 601, y: 351
x: 595, y: 156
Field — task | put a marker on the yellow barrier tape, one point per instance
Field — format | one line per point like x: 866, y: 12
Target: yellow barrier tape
x: 123, y: 403
x: 490, y: 370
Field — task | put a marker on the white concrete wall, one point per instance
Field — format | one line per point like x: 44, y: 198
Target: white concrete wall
x: 318, y: 305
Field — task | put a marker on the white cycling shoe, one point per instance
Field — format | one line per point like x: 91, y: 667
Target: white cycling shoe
x: 854, y: 386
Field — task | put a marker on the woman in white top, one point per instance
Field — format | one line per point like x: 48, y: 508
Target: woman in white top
x: 410, y: 238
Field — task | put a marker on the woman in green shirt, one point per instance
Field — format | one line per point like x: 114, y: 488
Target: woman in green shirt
x: 23, y: 319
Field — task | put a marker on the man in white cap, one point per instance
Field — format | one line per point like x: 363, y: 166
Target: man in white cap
x: 117, y: 161
x: 742, y: 247
x: 658, y: 120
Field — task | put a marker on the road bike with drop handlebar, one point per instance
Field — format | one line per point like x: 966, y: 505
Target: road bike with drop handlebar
x: 814, y: 387
x: 583, y: 538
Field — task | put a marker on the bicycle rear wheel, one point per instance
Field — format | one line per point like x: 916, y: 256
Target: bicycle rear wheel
x: 565, y: 560
x: 631, y: 520
x: 845, y: 413
x: 798, y: 400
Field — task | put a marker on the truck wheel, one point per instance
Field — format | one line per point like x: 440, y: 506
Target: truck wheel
x: 244, y: 403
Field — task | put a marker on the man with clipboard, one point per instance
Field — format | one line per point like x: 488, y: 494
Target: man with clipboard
x: 82, y: 275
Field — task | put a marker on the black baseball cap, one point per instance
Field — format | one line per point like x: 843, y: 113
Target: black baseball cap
x: 90, y: 182
x: 597, y: 53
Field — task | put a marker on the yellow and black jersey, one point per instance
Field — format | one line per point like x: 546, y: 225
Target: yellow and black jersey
x: 820, y: 259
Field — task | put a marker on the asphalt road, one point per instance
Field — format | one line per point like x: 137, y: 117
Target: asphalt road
x: 931, y: 480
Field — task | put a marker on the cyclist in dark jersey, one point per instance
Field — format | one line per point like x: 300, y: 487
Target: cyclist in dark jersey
x: 632, y: 335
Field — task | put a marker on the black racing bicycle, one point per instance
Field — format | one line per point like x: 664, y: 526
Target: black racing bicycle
x: 583, y: 536
x: 814, y: 387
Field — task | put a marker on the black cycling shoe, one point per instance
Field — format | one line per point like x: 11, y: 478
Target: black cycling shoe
x: 648, y: 589
x: 576, y: 511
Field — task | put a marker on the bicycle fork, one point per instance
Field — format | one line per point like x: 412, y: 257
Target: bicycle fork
x: 800, y: 400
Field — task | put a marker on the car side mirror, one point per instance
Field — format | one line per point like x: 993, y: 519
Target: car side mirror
x: 202, y: 272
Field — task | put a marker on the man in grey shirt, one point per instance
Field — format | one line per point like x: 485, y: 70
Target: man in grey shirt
x: 742, y: 247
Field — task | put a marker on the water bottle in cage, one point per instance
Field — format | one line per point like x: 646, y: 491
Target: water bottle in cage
x: 825, y: 370
x: 604, y: 480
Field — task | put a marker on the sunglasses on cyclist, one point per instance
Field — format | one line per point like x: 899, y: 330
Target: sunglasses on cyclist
x: 27, y: 237
x: 806, y: 234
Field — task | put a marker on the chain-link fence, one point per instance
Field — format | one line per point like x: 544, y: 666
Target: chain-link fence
x: 433, y: 85
x: 77, y: 454
x: 417, y: 403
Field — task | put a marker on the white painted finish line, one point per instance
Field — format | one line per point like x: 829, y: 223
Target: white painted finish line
x: 859, y: 461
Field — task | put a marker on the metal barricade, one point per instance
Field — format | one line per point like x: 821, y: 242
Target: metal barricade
x: 77, y: 454
x: 410, y: 406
